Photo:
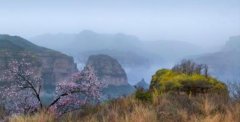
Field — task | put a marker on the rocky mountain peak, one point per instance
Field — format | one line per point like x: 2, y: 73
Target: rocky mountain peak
x: 142, y: 84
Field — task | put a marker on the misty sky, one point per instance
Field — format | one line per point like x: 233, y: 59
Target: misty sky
x: 196, y: 21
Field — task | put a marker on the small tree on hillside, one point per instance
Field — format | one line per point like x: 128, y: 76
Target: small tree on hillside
x: 23, y: 90
x: 189, y: 67
x: 82, y: 88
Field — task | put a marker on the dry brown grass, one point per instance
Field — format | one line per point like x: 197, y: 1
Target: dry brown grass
x: 166, y: 108
x: 122, y: 110
x: 39, y: 117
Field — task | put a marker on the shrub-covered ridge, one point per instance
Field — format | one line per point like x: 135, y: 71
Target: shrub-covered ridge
x: 187, y: 77
x: 167, y: 80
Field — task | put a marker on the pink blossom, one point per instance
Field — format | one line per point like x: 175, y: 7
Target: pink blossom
x: 22, y: 94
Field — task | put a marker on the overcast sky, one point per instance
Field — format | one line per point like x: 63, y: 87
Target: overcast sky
x: 196, y: 21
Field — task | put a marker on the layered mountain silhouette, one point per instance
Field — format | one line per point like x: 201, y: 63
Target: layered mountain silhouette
x: 224, y: 64
x: 138, y: 57
x: 89, y: 41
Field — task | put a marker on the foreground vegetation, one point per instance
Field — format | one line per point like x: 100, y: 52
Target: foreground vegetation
x: 166, y: 108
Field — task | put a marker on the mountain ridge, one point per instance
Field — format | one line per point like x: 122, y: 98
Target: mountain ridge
x: 139, y: 58
x: 51, y: 65
x: 224, y: 64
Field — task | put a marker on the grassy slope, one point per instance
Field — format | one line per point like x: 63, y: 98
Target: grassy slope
x: 166, y: 108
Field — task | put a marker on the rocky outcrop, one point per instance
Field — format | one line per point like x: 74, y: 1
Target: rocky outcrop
x: 142, y: 84
x: 53, y: 66
x: 111, y: 74
x: 108, y: 70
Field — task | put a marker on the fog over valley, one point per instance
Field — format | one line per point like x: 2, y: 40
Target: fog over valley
x: 139, y: 58
x: 120, y: 60
x: 143, y: 35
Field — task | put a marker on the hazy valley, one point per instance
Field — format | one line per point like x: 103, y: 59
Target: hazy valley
x: 120, y: 61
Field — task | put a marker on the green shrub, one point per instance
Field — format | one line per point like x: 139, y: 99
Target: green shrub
x: 143, y: 95
x: 167, y: 80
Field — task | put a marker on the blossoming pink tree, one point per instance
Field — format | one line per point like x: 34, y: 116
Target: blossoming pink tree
x: 23, y: 90
x: 82, y: 88
x: 21, y: 94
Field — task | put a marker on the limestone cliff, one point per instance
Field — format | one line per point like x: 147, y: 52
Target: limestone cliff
x: 53, y: 66
x: 108, y: 70
x: 111, y: 74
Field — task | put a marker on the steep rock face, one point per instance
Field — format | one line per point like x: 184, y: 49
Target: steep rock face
x: 112, y: 75
x: 56, y: 68
x: 108, y: 70
x: 51, y: 65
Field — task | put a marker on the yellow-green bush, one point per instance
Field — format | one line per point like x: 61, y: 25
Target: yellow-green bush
x: 167, y: 80
x: 143, y: 95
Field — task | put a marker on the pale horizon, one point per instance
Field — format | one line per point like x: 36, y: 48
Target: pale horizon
x: 204, y: 23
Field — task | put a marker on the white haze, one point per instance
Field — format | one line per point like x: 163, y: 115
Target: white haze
x: 202, y: 22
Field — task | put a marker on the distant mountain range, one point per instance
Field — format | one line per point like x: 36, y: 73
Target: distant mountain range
x: 89, y: 42
x: 225, y: 64
x: 135, y: 55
